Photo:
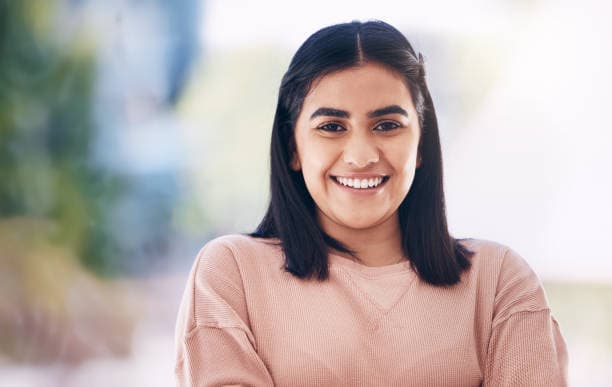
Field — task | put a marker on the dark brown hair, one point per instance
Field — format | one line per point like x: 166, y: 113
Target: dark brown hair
x: 438, y: 258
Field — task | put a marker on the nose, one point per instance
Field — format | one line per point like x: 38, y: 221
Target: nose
x: 360, y: 151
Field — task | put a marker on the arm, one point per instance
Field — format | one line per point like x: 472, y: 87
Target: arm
x: 526, y: 347
x: 215, y: 346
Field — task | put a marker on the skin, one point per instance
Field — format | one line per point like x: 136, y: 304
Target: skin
x: 359, y: 143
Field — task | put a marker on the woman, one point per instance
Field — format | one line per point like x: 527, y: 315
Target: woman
x: 352, y: 277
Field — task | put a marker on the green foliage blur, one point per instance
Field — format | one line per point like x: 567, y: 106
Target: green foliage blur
x: 46, y: 135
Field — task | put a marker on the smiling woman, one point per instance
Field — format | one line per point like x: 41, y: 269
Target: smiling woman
x: 352, y: 277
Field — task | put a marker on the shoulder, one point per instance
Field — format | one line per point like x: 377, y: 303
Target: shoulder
x: 512, y: 282
x: 496, y: 258
x: 239, y: 245
x: 215, y: 293
x: 231, y: 252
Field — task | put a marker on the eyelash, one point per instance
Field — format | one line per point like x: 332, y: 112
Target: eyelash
x: 395, y: 126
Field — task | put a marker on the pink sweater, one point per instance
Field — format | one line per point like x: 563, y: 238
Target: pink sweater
x: 244, y: 321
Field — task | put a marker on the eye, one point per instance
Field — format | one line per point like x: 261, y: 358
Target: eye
x: 331, y: 127
x: 386, y: 126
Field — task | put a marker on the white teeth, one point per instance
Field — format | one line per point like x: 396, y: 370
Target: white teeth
x: 359, y: 183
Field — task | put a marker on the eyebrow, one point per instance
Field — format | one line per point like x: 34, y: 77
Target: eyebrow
x: 324, y: 111
x: 391, y: 109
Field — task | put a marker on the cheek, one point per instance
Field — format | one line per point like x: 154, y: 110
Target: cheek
x: 317, y: 159
x: 404, y: 157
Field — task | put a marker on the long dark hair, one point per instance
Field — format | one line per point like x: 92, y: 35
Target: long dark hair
x: 438, y: 258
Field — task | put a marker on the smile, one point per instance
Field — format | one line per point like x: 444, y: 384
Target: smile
x: 361, y: 183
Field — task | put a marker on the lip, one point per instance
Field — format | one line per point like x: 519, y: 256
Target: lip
x: 361, y: 175
x: 362, y: 191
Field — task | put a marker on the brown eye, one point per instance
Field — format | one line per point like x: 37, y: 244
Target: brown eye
x: 331, y: 127
x: 386, y: 126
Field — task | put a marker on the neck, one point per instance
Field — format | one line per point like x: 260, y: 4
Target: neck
x: 379, y: 245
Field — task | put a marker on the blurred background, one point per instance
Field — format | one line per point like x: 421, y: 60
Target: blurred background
x: 133, y: 131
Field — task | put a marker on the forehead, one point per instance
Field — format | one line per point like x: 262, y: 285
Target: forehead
x: 365, y: 87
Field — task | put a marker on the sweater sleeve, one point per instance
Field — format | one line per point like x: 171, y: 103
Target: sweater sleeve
x: 526, y: 347
x: 214, y: 343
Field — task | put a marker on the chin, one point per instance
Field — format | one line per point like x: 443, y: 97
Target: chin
x: 360, y: 224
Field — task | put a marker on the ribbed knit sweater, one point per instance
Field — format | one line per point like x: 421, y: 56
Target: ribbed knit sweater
x: 243, y: 320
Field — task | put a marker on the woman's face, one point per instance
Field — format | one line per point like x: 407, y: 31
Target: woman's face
x: 357, y: 139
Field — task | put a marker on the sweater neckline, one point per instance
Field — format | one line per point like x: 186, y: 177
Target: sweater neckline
x: 370, y: 271
x: 355, y: 267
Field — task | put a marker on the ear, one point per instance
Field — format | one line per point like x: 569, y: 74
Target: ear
x: 419, y: 161
x: 295, y: 162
